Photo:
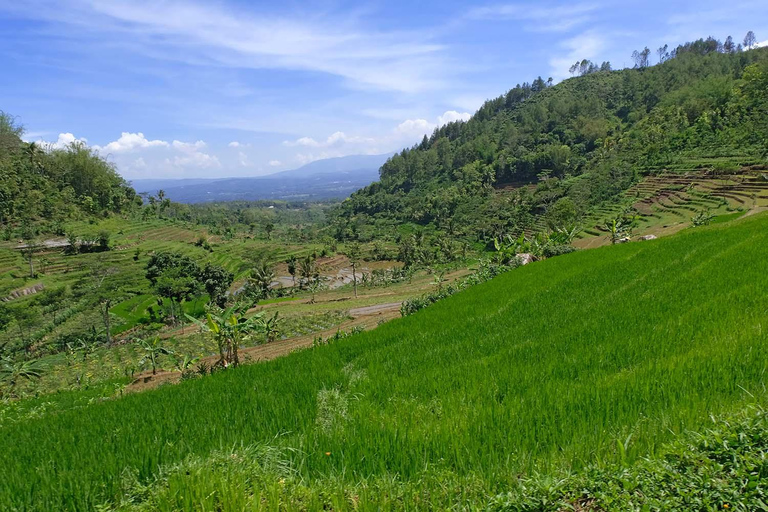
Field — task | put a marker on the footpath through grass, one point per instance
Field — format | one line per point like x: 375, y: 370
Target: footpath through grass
x: 548, y: 368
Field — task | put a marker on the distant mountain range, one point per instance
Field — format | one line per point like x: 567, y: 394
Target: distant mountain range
x: 323, y: 179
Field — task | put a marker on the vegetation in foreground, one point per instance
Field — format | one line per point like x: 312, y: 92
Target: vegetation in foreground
x: 593, y: 358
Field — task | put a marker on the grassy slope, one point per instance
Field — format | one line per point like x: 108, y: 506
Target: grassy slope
x: 543, y: 368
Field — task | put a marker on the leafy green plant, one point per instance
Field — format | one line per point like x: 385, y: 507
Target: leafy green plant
x: 12, y: 372
x: 702, y: 218
x: 152, y: 351
x: 618, y: 229
x: 270, y: 326
x: 229, y: 328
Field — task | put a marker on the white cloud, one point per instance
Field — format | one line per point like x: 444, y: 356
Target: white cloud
x: 303, y: 141
x: 195, y: 159
x: 130, y: 142
x: 451, y: 116
x: 304, y: 159
x: 236, y: 144
x: 587, y: 45
x: 541, y: 19
x: 339, y: 45
x: 471, y: 102
x: 243, y: 159
x: 64, y: 141
x: 414, y: 127
x: 275, y: 163
x: 335, y: 139
x: 188, y: 147
x: 135, y: 154
x: 418, y: 127
x: 341, y: 144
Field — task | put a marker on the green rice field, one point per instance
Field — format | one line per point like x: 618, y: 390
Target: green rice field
x: 592, y: 358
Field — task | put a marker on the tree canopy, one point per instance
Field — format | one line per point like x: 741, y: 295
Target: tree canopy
x: 42, y: 186
x: 586, y: 140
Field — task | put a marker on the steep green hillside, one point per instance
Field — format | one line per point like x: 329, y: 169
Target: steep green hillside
x: 549, y: 156
x: 41, y: 188
x: 595, y: 357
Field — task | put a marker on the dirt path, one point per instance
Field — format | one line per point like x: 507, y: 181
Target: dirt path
x: 755, y: 210
x: 378, y: 309
x: 366, y: 317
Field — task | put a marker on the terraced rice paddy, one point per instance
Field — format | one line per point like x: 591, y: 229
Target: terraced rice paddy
x: 666, y: 202
x: 547, y: 368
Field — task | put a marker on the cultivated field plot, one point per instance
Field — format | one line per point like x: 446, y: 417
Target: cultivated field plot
x: 546, y: 368
x: 667, y: 202
x: 132, y: 242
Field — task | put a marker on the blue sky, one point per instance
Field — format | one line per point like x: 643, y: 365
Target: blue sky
x: 172, y: 89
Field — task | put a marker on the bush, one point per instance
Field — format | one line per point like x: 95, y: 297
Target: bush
x: 102, y: 240
x: 720, y: 469
x: 551, y: 251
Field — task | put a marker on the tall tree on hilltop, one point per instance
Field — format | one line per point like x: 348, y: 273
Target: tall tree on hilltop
x: 641, y: 58
x: 750, y: 40
x: 663, y: 53
x: 728, y: 45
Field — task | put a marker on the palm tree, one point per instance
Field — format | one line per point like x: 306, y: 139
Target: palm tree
x: 263, y: 275
x: 152, y: 350
x: 308, y: 270
x: 34, y: 152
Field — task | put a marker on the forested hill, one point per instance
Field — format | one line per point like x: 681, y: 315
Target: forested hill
x: 42, y: 188
x: 573, y: 145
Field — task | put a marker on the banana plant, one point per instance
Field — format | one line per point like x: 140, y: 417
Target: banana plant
x: 229, y: 329
x: 565, y: 235
x: 183, y: 363
x: 618, y: 229
x: 510, y: 247
x: 439, y: 280
x: 270, y: 327
x: 12, y: 372
x: 152, y: 350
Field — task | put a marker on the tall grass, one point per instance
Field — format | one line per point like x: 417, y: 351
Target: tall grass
x: 549, y: 367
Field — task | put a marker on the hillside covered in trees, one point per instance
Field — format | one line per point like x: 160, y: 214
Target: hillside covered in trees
x: 41, y: 187
x: 544, y: 156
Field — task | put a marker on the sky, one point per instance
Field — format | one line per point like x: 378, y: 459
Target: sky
x: 191, y: 89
